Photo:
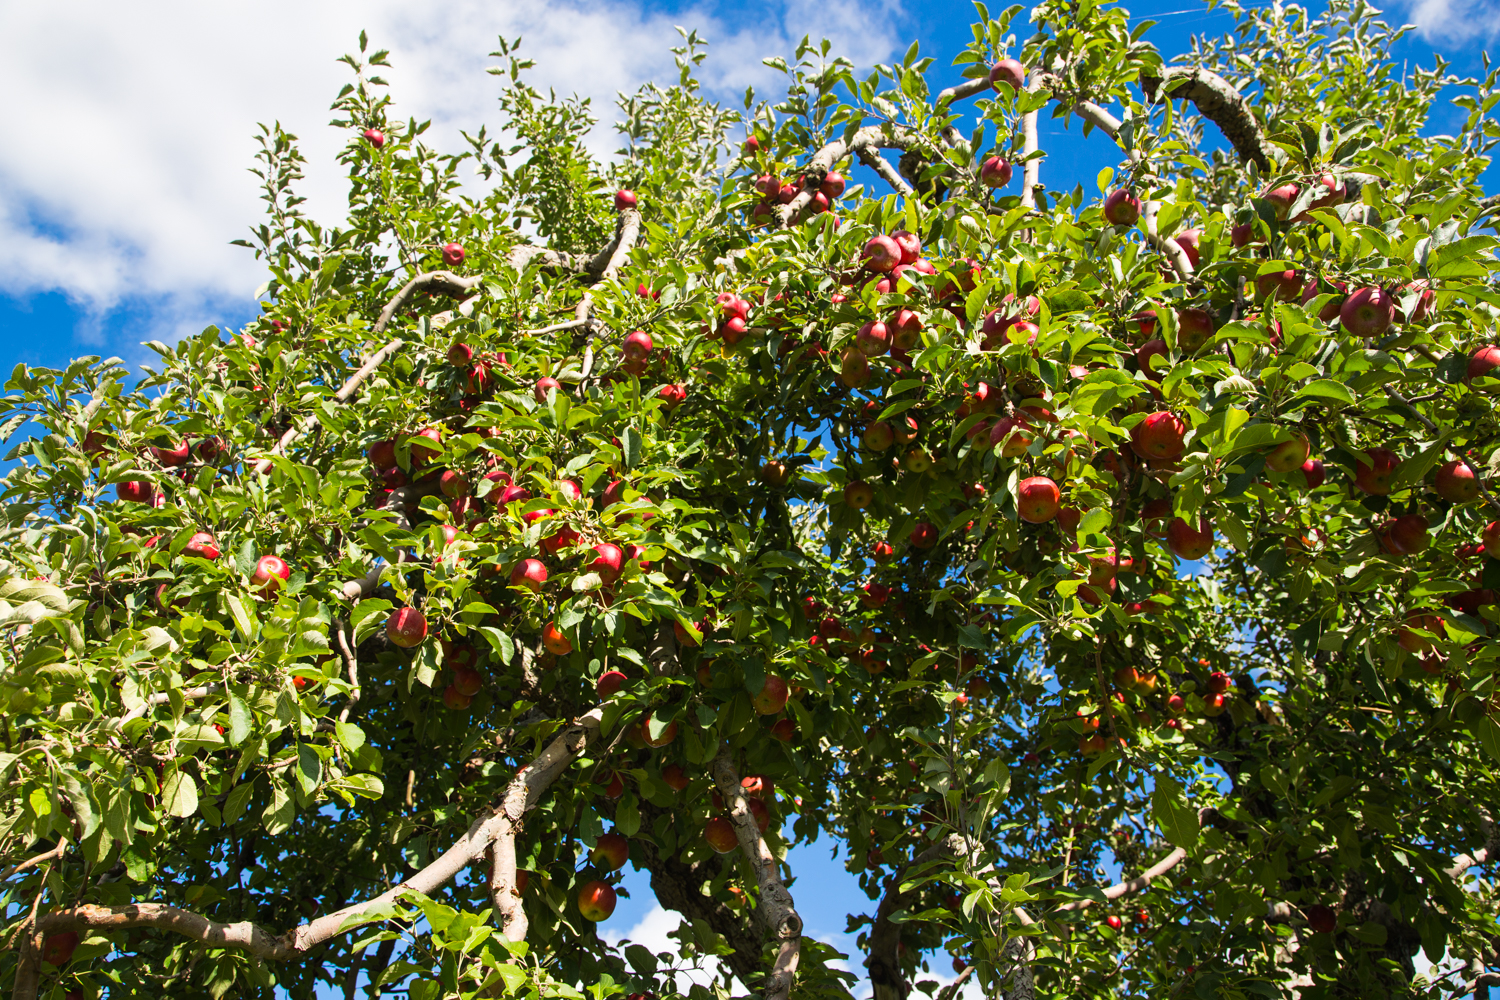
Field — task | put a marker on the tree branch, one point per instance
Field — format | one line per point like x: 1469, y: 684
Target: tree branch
x: 1165, y: 245
x: 885, y: 936
x: 351, y: 665
x: 162, y: 697
x: 41, y: 859
x: 1218, y: 101
x: 870, y: 137
x: 523, y: 792
x: 1130, y: 886
x: 776, y: 908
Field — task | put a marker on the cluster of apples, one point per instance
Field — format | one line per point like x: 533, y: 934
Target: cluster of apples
x: 775, y: 191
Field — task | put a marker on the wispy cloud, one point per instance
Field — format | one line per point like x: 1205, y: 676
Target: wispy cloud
x: 1453, y: 21
x: 124, y: 177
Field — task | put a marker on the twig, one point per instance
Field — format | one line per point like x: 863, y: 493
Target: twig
x: 162, y: 697
x: 52, y: 855
x: 351, y: 665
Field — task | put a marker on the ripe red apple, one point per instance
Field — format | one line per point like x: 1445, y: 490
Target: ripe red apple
x: 1490, y: 539
x: 1037, y: 499
x: 172, y: 458
x: 467, y: 681
x: 1281, y: 199
x: 1122, y: 208
x: 784, y: 730
x: 1455, y: 482
x: 637, y: 346
x: 1333, y: 194
x: 374, y: 137
x: 616, y: 784
x: 995, y: 172
x: 672, y: 395
x: 1283, y: 285
x: 1321, y: 919
x: 881, y: 254
x: 137, y: 491
x: 924, y: 535
x: 1147, y: 353
x: 529, y: 573
x: 1159, y: 436
x: 873, y: 339
x: 406, y: 628
x: 460, y: 355
x: 1195, y: 327
x: 905, y: 327
x: 1008, y: 71
x: 1482, y: 363
x: 1218, y: 682
x: 57, y: 949
x: 772, y: 696
x: 1368, y: 312
x: 675, y: 777
x: 719, y: 833
x: 271, y: 572
x: 453, y: 254
x: 1288, y: 455
x: 1313, y: 473
x: 1176, y: 704
x: 1407, y: 535
x: 1189, y: 543
x: 910, y: 244
x: 596, y: 900
x: 879, y: 436
x: 1375, y: 478
x: 859, y: 495
x: 1114, y: 922
x: 555, y: 641
x: 611, y: 851
x: 624, y: 198
x: 1188, y: 239
x: 543, y: 385
x: 610, y: 682
x: 1014, y: 432
x: 202, y: 545
x: 453, y: 484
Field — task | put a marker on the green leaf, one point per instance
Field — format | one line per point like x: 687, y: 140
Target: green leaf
x: 179, y: 795
x: 350, y: 736
x: 1325, y: 388
x: 244, y: 621
x: 368, y: 618
x: 240, y: 719
x: 1177, y: 819
x: 309, y: 768
x: 1487, y: 731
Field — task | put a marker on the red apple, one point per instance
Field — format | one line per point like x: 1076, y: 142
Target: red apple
x: 1482, y: 363
x: 1281, y: 199
x: 610, y: 682
x: 859, y: 495
x: 772, y: 696
x: 596, y: 900
x: 1368, y: 312
x: 624, y: 198
x: 271, y: 572
x: 1288, y: 455
x: 924, y: 535
x: 675, y: 777
x: 637, y: 346
x: 995, y: 172
x: 554, y: 641
x: 137, y: 491
x: 719, y: 833
x: 1176, y: 704
x: 453, y: 254
x: 1188, y: 239
x: 905, y: 328
x: 1158, y: 437
x: 672, y: 395
x: 1284, y: 285
x: 1187, y: 542
x: 1455, y: 482
x: 1014, y: 432
x: 374, y: 137
x: 453, y: 485
x: 529, y: 573
x: 1321, y: 919
x: 784, y: 730
x: 873, y: 339
x: 1008, y: 71
x: 1122, y: 208
x: 611, y: 850
x: 406, y: 628
x: 57, y: 949
x: 1195, y: 327
x: 881, y: 254
x: 879, y: 436
x: 460, y: 355
x: 668, y: 734
x: 1037, y: 499
x: 1407, y: 535
x: 1375, y: 478
x: 1490, y: 539
x: 1114, y: 922
x: 1146, y: 355
x: 910, y: 244
x: 202, y: 545
x: 1313, y: 473
x: 467, y: 681
x: 543, y: 386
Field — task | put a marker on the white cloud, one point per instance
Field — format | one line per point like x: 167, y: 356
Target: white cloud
x: 652, y: 932
x: 131, y: 125
x: 1449, y: 21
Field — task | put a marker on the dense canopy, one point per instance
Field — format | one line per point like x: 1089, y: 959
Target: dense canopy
x: 1113, y: 572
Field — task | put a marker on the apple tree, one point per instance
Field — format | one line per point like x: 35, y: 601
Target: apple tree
x: 1111, y: 573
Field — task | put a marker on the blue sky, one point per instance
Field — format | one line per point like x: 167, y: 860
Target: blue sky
x: 123, y: 177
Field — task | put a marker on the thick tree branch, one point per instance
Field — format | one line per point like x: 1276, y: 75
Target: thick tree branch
x: 883, y: 167
x: 1130, y: 886
x: 776, y: 908
x: 871, y: 137
x: 523, y: 792
x: 1218, y: 101
x: 1165, y: 245
x: 885, y: 935
x: 1031, y: 169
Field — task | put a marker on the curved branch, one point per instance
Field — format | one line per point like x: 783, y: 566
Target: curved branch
x: 162, y: 697
x: 871, y: 137
x: 1130, y: 886
x: 776, y: 908
x: 440, y: 281
x: 523, y: 792
x: 883, y: 167
x: 41, y: 859
x: 1218, y: 101
x: 351, y: 664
